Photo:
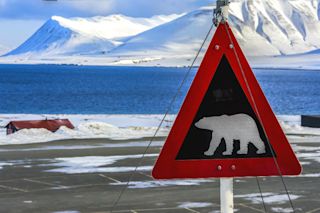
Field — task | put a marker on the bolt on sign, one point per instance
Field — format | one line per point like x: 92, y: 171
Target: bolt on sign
x: 225, y: 127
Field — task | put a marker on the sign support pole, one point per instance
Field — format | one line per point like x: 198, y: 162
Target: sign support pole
x: 226, y: 184
x: 226, y: 195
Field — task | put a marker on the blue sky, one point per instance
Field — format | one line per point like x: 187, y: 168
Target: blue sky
x: 20, y: 18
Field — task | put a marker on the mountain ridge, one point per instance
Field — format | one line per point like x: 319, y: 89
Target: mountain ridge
x: 272, y: 28
x: 255, y: 24
x: 94, y: 35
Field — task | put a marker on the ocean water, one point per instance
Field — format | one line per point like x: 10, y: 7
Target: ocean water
x: 60, y: 89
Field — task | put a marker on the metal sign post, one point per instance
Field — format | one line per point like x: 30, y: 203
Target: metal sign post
x: 221, y: 12
x: 226, y: 195
x: 226, y: 184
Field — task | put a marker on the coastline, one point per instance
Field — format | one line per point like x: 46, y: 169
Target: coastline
x: 121, y: 127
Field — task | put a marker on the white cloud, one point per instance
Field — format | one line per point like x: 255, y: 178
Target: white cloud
x: 37, y: 9
x: 94, y: 6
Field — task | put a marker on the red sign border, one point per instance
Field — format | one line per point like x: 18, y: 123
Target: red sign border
x: 167, y: 167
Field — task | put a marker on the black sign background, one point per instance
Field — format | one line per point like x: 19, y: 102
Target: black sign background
x: 224, y: 97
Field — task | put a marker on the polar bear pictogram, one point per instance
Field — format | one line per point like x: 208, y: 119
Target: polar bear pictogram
x: 240, y: 127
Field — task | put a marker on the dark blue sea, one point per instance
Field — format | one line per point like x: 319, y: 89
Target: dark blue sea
x: 134, y: 90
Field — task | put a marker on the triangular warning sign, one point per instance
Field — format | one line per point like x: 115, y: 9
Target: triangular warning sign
x: 225, y: 127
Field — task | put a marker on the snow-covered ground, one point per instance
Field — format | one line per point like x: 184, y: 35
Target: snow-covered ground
x: 65, y: 170
x: 163, y: 183
x: 87, y: 126
x: 93, y: 164
x: 122, y: 127
x: 271, y: 33
x: 269, y: 198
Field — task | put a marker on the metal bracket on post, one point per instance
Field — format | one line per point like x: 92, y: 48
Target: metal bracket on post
x: 221, y: 12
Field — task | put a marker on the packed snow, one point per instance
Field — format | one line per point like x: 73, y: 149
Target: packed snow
x: 272, y: 33
x: 194, y: 205
x: 313, y: 175
x: 281, y: 210
x: 16, y: 163
x: 307, y: 155
x: 2, y: 164
x: 163, y: 183
x: 119, y: 127
x: 218, y: 211
x: 268, y: 198
x: 95, y: 164
x: 291, y: 126
x: 84, y: 130
x: 67, y: 211
x: 95, y: 146
x: 311, y: 156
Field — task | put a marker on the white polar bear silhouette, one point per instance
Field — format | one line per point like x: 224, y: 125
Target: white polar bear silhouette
x: 240, y: 127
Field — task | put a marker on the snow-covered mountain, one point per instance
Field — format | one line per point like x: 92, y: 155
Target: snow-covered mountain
x: 290, y: 26
x: 264, y: 28
x: 182, y: 35
x: 96, y: 35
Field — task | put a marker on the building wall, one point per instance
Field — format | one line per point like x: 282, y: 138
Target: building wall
x: 11, y: 129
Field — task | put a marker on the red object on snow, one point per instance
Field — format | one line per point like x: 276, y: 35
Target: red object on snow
x: 51, y: 125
